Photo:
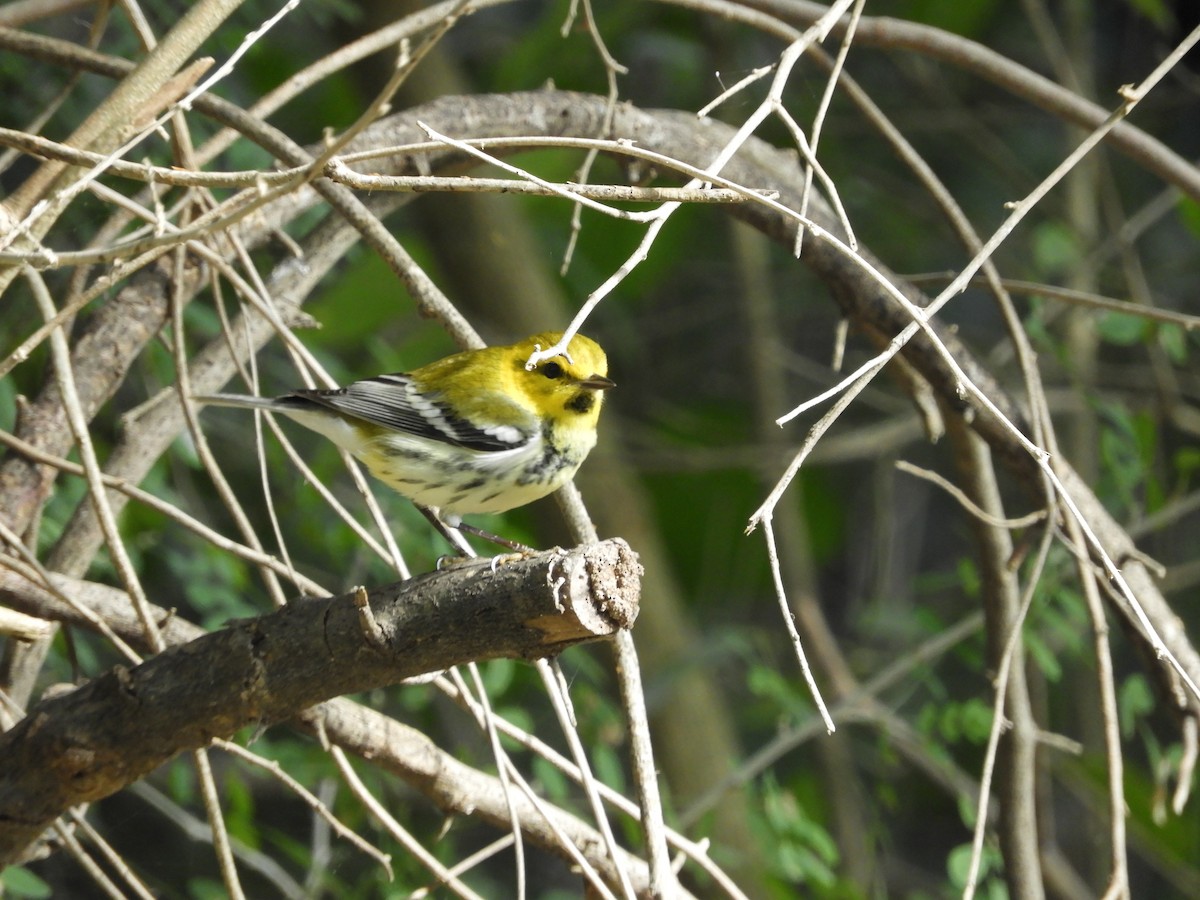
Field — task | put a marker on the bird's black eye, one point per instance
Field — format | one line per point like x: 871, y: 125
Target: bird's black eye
x: 552, y: 370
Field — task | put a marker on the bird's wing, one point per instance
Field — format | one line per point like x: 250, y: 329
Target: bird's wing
x: 393, y: 401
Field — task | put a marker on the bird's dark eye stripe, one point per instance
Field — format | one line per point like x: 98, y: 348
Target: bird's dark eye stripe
x: 552, y: 370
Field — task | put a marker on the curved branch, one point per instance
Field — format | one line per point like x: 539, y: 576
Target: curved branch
x: 880, y: 315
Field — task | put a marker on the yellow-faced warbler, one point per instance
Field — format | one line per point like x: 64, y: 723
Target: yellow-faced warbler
x: 476, y: 432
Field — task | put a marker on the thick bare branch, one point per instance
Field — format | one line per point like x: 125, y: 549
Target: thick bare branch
x: 93, y: 741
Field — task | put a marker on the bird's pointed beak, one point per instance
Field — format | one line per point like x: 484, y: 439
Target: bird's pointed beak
x: 596, y: 382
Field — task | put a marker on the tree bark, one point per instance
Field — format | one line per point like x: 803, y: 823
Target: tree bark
x: 94, y: 740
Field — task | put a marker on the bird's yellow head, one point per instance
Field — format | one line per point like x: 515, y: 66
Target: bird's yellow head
x: 564, y: 392
x: 568, y: 387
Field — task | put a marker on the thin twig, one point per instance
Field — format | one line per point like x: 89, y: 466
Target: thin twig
x: 488, y: 722
x: 1080, y: 298
x: 999, y: 723
x: 170, y: 510
x: 579, y: 754
x: 311, y: 800
x: 468, y: 862
x: 65, y: 834
x: 789, y: 621
x: 111, y: 856
x: 967, y: 503
x: 819, y: 121
x: 216, y: 822
x: 195, y: 829
x: 693, y: 850
x: 586, y: 867
x: 79, y: 428
x: 396, y: 830
x: 633, y: 699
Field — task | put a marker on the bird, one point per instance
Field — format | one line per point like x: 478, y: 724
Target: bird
x: 478, y: 431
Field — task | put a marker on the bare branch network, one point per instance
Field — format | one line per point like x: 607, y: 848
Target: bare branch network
x: 187, y: 230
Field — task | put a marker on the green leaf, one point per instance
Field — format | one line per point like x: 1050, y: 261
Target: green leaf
x: 181, y: 782
x: 1123, y: 329
x: 1044, y: 657
x: 958, y: 865
x: 1185, y: 462
x: 518, y: 716
x: 976, y: 721
x: 765, y: 682
x: 1173, y: 340
x: 949, y: 724
x: 803, y: 850
x: 498, y: 676
x: 18, y: 882
x: 206, y: 889
x: 8, y: 404
x: 1134, y: 700
x: 239, y: 805
x: 969, y: 578
x: 1055, y: 247
x: 1156, y: 11
x: 1189, y: 214
x: 550, y: 779
x: 1035, y: 323
x: 968, y: 809
x: 607, y: 764
x: 967, y: 19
